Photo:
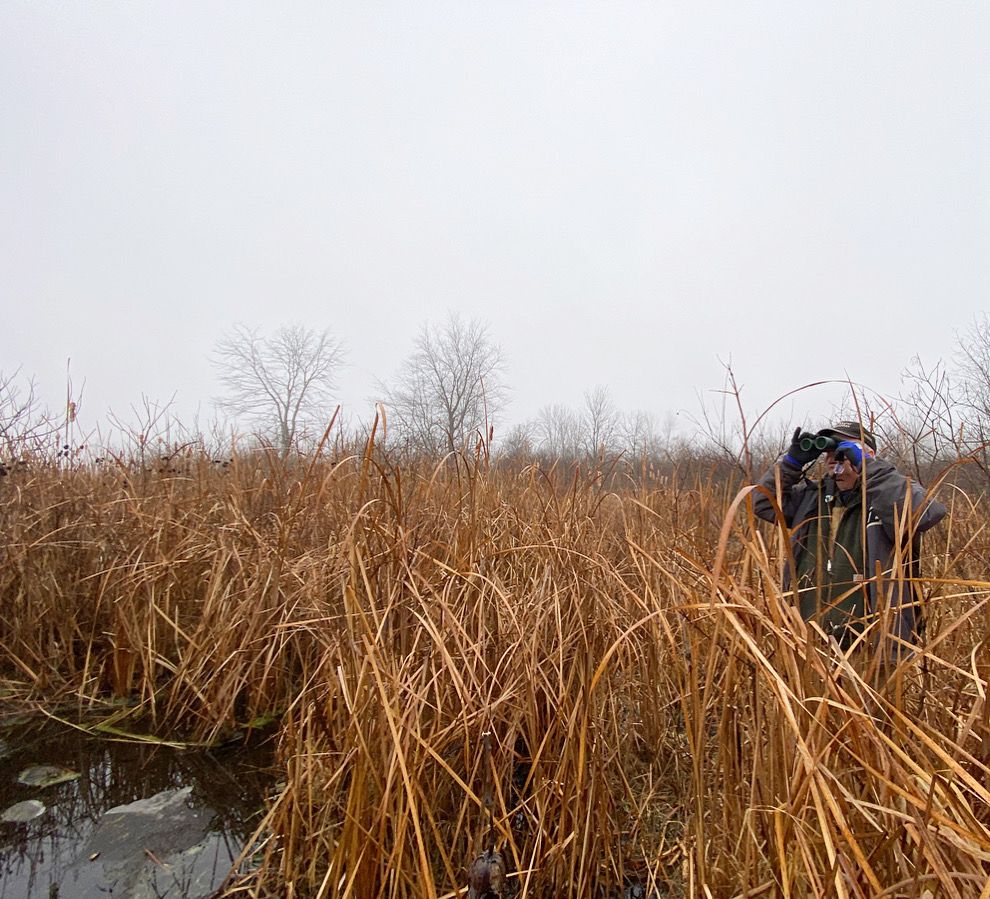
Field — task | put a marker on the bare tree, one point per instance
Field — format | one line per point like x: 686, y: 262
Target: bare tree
x: 600, y: 421
x: 25, y: 425
x: 973, y: 390
x: 943, y: 412
x: 518, y: 445
x: 645, y: 436
x: 721, y: 426
x: 281, y: 382
x: 925, y: 429
x: 449, y: 387
x: 558, y: 429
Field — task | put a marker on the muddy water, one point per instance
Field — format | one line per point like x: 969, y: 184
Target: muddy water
x: 139, y: 821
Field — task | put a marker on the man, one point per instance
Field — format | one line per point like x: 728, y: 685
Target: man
x: 844, y: 534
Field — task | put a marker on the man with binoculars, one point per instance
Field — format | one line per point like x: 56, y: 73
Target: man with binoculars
x: 845, y: 530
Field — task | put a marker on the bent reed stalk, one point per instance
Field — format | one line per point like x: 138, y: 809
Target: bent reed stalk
x: 654, y: 717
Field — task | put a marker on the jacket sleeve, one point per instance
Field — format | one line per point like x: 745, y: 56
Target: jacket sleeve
x: 927, y: 512
x: 888, y: 499
x: 791, y: 487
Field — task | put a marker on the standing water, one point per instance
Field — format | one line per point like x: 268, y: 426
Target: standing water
x: 84, y: 817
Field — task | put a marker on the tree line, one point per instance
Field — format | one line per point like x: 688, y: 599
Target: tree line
x: 449, y: 394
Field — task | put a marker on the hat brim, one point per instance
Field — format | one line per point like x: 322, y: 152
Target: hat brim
x: 866, y: 438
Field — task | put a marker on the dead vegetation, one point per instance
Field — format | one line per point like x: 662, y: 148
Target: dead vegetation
x: 588, y: 674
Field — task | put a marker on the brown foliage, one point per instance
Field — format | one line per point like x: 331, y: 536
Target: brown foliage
x: 654, y: 718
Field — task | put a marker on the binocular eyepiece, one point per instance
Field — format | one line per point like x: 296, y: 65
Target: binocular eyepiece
x: 820, y: 442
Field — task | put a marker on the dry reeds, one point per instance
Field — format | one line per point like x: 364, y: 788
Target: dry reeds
x: 537, y: 662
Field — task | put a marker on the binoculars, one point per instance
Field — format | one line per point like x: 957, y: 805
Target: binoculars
x: 821, y: 443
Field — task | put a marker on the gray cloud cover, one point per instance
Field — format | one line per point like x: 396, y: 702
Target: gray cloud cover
x: 626, y: 192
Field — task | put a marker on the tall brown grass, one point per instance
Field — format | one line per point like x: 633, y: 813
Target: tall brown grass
x: 598, y: 676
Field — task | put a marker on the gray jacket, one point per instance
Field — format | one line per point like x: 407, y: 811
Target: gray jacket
x: 886, y: 489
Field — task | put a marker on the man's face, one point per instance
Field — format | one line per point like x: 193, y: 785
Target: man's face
x: 845, y: 474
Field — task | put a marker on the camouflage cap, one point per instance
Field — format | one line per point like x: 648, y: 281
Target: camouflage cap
x: 853, y: 430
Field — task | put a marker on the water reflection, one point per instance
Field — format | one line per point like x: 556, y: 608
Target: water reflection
x: 50, y: 856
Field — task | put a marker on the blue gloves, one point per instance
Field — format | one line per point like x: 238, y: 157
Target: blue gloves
x: 852, y: 451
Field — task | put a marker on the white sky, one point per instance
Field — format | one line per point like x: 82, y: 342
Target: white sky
x: 626, y: 192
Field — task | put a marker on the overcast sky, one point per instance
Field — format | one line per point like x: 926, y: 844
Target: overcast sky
x: 627, y: 192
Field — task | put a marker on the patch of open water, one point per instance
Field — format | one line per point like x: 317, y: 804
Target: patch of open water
x: 141, y: 820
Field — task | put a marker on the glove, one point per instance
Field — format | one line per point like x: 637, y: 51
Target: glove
x: 851, y: 450
x: 797, y: 456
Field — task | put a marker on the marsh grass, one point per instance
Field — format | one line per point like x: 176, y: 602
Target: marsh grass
x: 595, y: 672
